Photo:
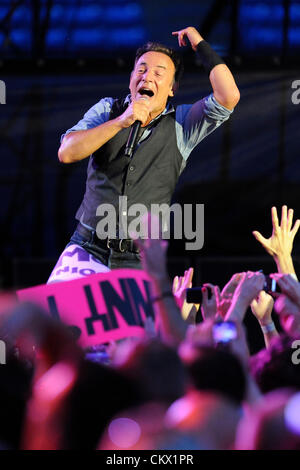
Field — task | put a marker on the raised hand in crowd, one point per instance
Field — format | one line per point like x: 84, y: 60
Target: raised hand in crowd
x: 261, y: 308
x: 168, y: 319
x: 180, y: 285
x: 289, y: 286
x: 226, y: 295
x: 250, y: 285
x: 209, y: 306
x: 280, y: 244
x: 287, y: 306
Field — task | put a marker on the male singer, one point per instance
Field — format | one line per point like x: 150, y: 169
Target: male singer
x: 167, y: 137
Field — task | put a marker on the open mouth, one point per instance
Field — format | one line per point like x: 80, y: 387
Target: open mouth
x: 146, y: 92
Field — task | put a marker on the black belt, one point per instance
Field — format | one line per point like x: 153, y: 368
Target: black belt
x: 121, y: 245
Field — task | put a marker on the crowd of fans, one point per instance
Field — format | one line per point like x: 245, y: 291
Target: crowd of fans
x: 181, y: 387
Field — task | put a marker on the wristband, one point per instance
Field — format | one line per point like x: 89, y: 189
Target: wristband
x: 160, y: 297
x: 268, y: 328
x: 208, y: 56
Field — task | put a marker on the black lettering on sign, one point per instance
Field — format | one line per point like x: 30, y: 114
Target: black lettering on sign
x: 135, y: 311
x: 53, y: 307
x: 129, y: 304
x: 124, y: 305
x: 95, y: 315
x: 139, y: 300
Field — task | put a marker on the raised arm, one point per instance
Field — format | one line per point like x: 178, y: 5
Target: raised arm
x: 223, y: 84
x: 280, y: 243
x: 171, y: 325
x: 180, y: 285
x: 288, y: 304
x: 261, y: 308
x: 247, y: 290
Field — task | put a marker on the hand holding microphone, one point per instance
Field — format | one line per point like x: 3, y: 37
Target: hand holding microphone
x: 138, y: 110
x: 136, y: 115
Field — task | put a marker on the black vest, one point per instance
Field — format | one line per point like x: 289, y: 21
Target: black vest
x: 149, y: 177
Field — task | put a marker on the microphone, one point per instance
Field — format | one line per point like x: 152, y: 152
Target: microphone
x: 133, y: 135
x: 132, y: 138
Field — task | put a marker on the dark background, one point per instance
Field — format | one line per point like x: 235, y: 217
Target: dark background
x: 58, y: 58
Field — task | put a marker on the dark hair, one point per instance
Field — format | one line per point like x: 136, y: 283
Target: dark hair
x: 99, y: 393
x: 157, y: 47
x: 273, y: 368
x: 158, y: 370
x: 217, y: 371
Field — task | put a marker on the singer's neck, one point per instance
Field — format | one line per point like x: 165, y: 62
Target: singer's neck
x: 152, y: 116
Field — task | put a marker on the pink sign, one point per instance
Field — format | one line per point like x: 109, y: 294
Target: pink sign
x: 103, y: 307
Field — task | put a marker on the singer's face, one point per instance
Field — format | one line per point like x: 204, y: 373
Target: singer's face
x: 153, y: 77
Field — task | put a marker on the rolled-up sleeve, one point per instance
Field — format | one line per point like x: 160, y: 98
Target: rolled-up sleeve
x: 197, y: 121
x: 96, y: 115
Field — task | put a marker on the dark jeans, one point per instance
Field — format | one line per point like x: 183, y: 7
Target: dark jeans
x: 107, y: 256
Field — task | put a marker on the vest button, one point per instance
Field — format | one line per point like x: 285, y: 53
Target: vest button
x: 128, y: 184
x: 132, y: 168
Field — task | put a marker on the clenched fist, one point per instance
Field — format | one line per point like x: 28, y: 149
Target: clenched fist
x: 137, y: 111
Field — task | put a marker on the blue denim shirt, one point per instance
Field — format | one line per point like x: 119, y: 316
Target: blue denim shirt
x: 193, y: 121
